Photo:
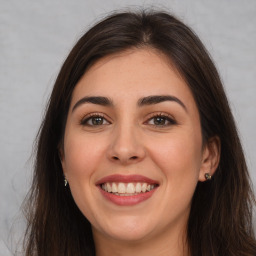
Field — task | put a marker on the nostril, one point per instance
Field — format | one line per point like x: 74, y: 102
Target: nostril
x: 132, y: 158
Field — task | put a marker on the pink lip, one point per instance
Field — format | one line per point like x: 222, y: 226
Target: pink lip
x: 126, y: 200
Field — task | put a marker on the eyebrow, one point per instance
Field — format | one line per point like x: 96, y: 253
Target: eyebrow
x: 98, y: 100
x: 145, y: 101
x: 155, y: 99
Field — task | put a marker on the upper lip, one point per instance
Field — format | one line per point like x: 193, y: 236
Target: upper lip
x: 126, y: 179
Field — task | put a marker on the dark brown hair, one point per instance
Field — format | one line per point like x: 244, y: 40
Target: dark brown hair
x: 220, y: 221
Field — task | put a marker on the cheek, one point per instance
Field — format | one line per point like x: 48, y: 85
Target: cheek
x: 178, y: 156
x: 82, y: 155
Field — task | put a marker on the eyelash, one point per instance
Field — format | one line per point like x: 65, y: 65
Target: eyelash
x: 165, y: 117
x: 86, y: 119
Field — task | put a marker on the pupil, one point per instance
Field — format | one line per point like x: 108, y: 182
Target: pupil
x: 159, y: 121
x: 97, y: 120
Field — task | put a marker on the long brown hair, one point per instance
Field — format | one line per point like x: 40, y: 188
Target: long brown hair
x: 220, y: 221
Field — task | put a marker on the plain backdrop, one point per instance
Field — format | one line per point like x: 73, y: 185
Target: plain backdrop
x: 35, y: 38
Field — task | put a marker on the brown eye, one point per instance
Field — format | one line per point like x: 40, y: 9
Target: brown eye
x: 161, y: 120
x: 97, y: 120
x: 94, y: 121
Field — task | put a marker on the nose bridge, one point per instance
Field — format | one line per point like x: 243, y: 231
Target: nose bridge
x: 126, y: 145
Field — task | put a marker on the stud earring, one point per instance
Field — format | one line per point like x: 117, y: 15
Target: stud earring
x: 208, y: 176
x: 65, y: 182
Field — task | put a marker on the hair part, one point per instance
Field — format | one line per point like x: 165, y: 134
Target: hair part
x: 220, y: 221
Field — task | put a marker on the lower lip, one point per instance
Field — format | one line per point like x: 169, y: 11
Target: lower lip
x: 127, y: 200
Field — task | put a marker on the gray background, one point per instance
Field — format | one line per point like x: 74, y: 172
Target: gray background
x: 36, y: 36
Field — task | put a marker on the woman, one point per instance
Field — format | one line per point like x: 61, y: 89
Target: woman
x: 138, y: 152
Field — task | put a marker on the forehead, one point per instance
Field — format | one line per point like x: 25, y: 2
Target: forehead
x: 133, y: 73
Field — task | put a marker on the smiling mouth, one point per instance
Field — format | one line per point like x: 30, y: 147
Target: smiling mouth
x: 127, y: 189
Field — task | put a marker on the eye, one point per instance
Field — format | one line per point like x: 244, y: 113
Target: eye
x: 94, y: 120
x: 161, y: 120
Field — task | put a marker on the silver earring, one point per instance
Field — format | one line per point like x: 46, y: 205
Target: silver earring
x: 208, y: 176
x: 65, y: 182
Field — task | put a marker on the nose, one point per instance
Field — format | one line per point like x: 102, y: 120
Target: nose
x: 126, y: 146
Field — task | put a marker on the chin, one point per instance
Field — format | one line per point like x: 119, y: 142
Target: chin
x: 127, y: 230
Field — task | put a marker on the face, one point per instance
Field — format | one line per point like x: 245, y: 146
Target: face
x: 133, y: 147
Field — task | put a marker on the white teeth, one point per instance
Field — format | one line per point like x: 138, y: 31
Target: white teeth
x: 114, y: 187
x: 138, y: 188
x: 109, y: 188
x: 144, y: 187
x: 130, y: 188
x: 121, y: 188
x: 127, y: 189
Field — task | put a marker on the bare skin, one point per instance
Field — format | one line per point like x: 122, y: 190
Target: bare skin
x: 133, y: 114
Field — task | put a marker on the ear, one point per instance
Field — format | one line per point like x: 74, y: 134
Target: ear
x: 210, y: 158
